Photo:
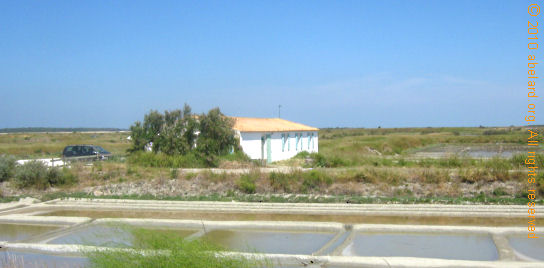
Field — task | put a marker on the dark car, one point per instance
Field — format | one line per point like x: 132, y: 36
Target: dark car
x: 84, y: 152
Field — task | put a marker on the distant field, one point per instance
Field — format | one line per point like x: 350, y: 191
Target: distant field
x: 54, y: 129
x: 36, y: 145
x: 352, y: 144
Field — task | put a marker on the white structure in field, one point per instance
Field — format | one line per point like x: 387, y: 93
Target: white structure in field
x: 274, y: 139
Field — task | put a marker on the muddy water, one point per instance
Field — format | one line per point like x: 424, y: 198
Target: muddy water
x: 217, y: 216
x: 269, y: 241
x: 15, y: 232
x: 30, y: 260
x: 109, y: 235
x: 443, y: 246
x: 530, y: 247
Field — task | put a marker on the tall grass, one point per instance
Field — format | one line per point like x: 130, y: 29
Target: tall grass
x: 148, y: 159
x: 352, y: 143
x: 190, y: 160
x: 43, y: 145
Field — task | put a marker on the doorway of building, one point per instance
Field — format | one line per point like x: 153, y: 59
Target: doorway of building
x: 268, y: 149
x: 262, y: 149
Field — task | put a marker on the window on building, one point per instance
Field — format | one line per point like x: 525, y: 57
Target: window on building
x: 288, y: 143
x: 296, y: 141
x: 283, y: 142
x: 300, y: 140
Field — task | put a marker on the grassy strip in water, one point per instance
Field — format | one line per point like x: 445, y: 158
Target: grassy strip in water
x: 167, y: 249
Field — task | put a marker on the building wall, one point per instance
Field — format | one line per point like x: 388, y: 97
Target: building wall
x: 281, y: 148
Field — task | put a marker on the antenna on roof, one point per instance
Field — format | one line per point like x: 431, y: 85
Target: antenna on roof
x: 279, y: 111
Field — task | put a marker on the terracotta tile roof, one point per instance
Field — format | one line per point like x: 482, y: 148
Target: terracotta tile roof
x: 247, y: 124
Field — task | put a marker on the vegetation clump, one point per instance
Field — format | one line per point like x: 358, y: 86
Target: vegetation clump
x: 7, y: 167
x: 314, y: 179
x: 168, y: 249
x: 281, y: 181
x: 246, y: 183
x: 37, y: 174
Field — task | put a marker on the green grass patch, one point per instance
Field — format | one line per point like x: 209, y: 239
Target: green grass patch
x: 246, y: 183
x: 167, y: 249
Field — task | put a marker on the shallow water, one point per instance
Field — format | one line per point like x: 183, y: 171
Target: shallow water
x: 15, y: 232
x: 31, y: 260
x: 108, y: 235
x: 443, y: 246
x: 530, y: 247
x: 269, y: 241
x: 353, y: 219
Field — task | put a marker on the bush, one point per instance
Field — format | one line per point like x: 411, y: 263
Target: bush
x: 174, y: 173
x: 32, y: 173
x: 281, y: 181
x: 319, y: 160
x: 37, y: 174
x: 363, y: 177
x: 500, y: 191
x: 314, y: 179
x: 7, y: 167
x: 246, y: 183
x: 433, y: 176
x: 62, y: 176
x: 540, y: 183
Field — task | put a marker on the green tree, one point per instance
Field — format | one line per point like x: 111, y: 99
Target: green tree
x: 138, y: 136
x: 180, y: 132
x: 153, y: 124
x: 216, y: 134
x: 189, y: 130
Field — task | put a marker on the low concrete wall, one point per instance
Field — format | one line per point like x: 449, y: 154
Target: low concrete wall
x: 344, y: 232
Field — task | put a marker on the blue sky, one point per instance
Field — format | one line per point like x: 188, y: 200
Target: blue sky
x: 328, y: 63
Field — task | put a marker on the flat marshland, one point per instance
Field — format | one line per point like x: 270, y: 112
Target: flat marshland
x: 450, y: 165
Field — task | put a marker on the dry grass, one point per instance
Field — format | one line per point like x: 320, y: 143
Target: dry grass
x: 35, y: 145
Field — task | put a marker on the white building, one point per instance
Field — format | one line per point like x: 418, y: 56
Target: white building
x: 274, y: 139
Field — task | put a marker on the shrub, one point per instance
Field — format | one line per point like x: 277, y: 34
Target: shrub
x: 281, y: 181
x: 314, y: 179
x: 363, y: 177
x: 7, y: 167
x: 33, y: 173
x: 62, y: 176
x: 434, y: 176
x: 302, y: 155
x: 474, y: 175
x: 358, y: 176
x: 500, y: 191
x: 540, y: 183
x: 246, y: 183
x: 319, y: 160
x: 37, y: 174
x: 174, y: 173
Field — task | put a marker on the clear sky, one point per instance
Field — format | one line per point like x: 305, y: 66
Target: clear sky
x: 328, y: 63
